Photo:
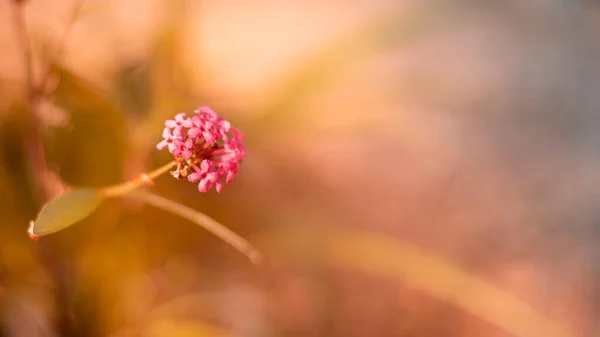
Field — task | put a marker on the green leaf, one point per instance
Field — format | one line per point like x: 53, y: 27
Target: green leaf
x: 66, y: 210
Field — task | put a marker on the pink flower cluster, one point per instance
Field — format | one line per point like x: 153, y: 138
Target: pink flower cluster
x: 205, y: 145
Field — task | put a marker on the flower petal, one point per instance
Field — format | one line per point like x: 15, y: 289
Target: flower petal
x: 230, y: 175
x: 225, y: 125
x: 206, y: 165
x: 162, y: 144
x: 194, y: 132
x: 194, y: 177
x: 204, y: 186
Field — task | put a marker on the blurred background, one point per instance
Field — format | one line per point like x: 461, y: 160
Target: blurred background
x: 414, y: 168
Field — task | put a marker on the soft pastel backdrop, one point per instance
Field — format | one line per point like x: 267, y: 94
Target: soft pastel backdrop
x: 415, y: 168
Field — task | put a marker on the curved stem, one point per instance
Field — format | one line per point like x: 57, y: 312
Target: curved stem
x: 202, y: 220
x: 128, y: 186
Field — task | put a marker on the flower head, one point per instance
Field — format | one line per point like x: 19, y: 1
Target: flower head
x: 206, y: 148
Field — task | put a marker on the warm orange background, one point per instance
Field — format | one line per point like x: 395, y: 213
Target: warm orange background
x: 376, y: 130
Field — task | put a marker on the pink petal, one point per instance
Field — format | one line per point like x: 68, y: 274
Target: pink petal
x: 210, y: 125
x: 178, y: 132
x: 225, y: 125
x: 170, y: 123
x: 209, y: 137
x: 162, y: 145
x: 219, y: 186
x: 204, y: 186
x: 196, y: 121
x: 194, y: 177
x: 229, y: 177
x: 194, y: 132
x: 237, y: 134
x: 187, y: 123
x: 206, y: 165
x: 203, y: 110
x: 212, y: 177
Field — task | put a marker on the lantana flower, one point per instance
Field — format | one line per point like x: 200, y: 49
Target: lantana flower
x: 206, y: 148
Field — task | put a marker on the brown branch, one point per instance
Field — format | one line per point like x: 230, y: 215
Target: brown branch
x: 23, y: 39
x: 35, y: 146
x: 61, y: 45
x: 48, y: 182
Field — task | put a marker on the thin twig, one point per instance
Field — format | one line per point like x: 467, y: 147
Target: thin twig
x: 23, y: 38
x: 37, y: 157
x: 202, y: 220
x: 61, y: 45
x: 35, y: 94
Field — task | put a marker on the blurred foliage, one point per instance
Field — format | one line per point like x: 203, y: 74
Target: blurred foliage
x: 92, y: 151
